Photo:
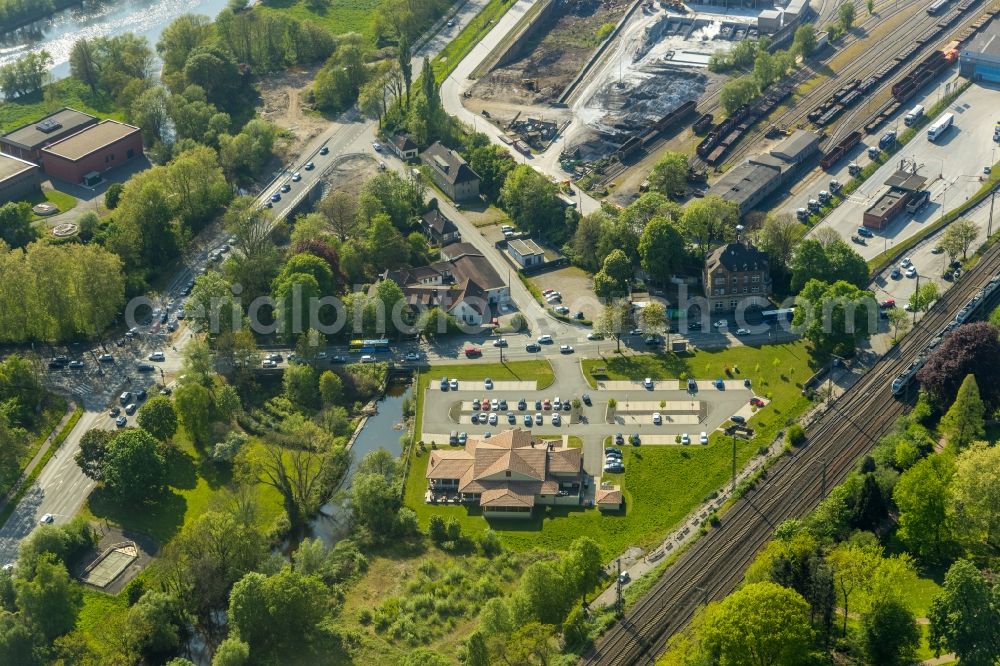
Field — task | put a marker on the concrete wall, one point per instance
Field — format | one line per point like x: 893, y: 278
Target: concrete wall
x: 528, y: 31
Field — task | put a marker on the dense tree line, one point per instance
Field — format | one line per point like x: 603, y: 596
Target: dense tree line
x: 58, y: 292
x: 17, y: 12
x: 26, y: 75
x: 267, y: 41
x: 765, y: 67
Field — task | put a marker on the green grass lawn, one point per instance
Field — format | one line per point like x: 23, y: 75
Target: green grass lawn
x: 456, y: 50
x: 777, y: 372
x: 60, y: 200
x: 195, y: 482
x: 97, y: 608
x: 340, y: 17
x: 66, y: 92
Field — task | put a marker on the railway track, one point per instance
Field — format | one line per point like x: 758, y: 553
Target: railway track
x: 714, y: 565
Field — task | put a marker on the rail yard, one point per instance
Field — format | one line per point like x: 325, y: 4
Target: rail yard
x: 848, y: 429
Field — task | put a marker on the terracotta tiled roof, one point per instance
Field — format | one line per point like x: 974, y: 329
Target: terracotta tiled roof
x: 564, y: 460
x: 510, y: 495
x: 608, y: 496
x: 448, y: 464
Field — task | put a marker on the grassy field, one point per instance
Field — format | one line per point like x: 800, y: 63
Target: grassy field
x: 66, y: 92
x: 777, y: 372
x: 60, y: 200
x: 97, y: 608
x: 195, y: 482
x: 339, y: 17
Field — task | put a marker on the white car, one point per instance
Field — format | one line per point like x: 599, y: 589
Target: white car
x: 911, y: 272
x: 367, y: 358
x: 377, y: 146
x: 412, y: 356
x: 453, y: 384
x: 157, y: 356
x: 47, y: 519
x: 594, y: 336
x: 685, y: 439
x: 905, y: 263
x: 268, y: 363
x: 720, y: 324
x: 544, y: 339
x: 703, y: 438
x: 566, y: 349
x: 648, y: 382
x: 493, y: 418
x: 657, y: 418
x: 742, y: 331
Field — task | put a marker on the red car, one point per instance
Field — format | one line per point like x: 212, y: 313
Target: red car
x: 887, y: 303
x: 547, y: 405
x: 473, y: 352
x: 756, y: 402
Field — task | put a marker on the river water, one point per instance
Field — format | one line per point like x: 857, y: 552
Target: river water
x: 381, y: 430
x: 106, y: 18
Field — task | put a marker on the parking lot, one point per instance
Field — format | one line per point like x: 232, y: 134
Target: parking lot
x: 705, y: 409
x: 575, y: 287
x: 953, y: 167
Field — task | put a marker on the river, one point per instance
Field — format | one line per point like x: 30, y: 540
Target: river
x: 382, y: 430
x: 58, y: 33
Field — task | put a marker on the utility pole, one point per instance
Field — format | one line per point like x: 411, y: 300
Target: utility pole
x: 916, y: 300
x: 989, y: 226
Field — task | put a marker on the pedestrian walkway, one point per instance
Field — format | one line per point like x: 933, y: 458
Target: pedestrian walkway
x: 40, y: 454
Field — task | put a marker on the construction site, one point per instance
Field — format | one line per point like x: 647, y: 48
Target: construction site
x: 605, y: 79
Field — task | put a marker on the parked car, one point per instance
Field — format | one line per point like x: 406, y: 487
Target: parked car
x: 742, y: 332
x: 539, y: 419
x: 648, y: 382
x: 453, y: 384
x: 76, y: 365
x: 556, y: 419
x: 634, y: 439
x: 121, y: 421
x: 594, y: 336
x: 736, y: 418
x: 130, y: 408
x: 488, y: 384
x: 493, y: 418
x: 703, y: 438
x: 527, y: 420
x: 47, y: 519
x: 685, y: 439
x: 475, y: 405
x: 125, y: 398
x: 756, y: 402
x: 463, y: 437
x: 157, y: 356
x: 412, y: 356
x: 106, y: 358
x: 657, y: 418
x: 144, y: 367
x: 586, y: 398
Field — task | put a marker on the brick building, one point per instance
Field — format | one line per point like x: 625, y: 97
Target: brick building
x: 27, y: 141
x: 19, y: 179
x: 84, y: 156
x: 737, y: 273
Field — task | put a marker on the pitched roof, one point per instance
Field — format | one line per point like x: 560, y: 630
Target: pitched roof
x: 510, y: 495
x: 438, y: 222
x: 611, y: 496
x: 404, y: 142
x: 736, y: 257
x: 449, y: 164
x: 473, y: 267
x: 564, y: 460
x: 525, y: 246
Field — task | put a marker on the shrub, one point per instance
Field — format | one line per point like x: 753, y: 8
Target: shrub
x: 795, y: 436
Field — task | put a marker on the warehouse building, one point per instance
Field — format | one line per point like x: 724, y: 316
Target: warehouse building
x: 753, y: 181
x: 84, y: 156
x: 19, y: 179
x: 980, y: 60
x: 27, y: 141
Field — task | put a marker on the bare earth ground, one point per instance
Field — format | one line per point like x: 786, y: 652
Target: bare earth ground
x: 350, y: 174
x: 283, y: 96
x: 555, y: 57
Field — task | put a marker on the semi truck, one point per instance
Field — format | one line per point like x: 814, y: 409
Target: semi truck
x: 913, y: 114
x: 940, y: 126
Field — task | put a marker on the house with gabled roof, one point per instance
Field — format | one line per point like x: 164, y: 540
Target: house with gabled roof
x: 737, y: 274
x: 451, y: 172
x: 507, y: 474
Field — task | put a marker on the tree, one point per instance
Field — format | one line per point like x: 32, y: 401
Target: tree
x: 761, y: 623
x: 331, y: 388
x: 529, y: 198
x: 669, y: 175
x: 341, y: 210
x: 709, y: 221
x: 16, y: 229
x: 180, y: 38
x: 374, y: 503
x: 585, y: 244
x: 958, y: 238
x: 845, y: 264
x: 845, y: 16
x: 976, y: 499
x: 83, y: 64
x: 653, y: 318
x: 231, y: 652
x: 810, y: 263
x: 47, y: 597
x: 277, y: 615
x: 923, y: 495
x: 765, y: 68
x: 778, y: 237
x: 870, y: 4
x: 614, y: 320
x: 804, y: 41
x: 385, y: 246
x: 965, y: 617
x: 900, y: 322
x: 134, y: 471
x: 90, y: 457
x: 13, y: 445
x: 158, y: 418
x: 922, y: 299
x: 193, y: 404
x: 405, y: 59
x: 834, y: 317
x: 493, y: 163
x: 661, y: 247
x: 738, y: 92
x: 162, y: 623
x: 303, y: 475
x: 970, y: 349
x: 963, y: 423
x: 299, y: 383
x: 889, y: 633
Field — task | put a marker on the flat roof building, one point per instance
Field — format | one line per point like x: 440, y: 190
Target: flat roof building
x: 526, y: 252
x: 84, y: 156
x: 19, y: 179
x: 753, y: 181
x: 27, y: 141
x: 980, y: 60
x: 903, y: 184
